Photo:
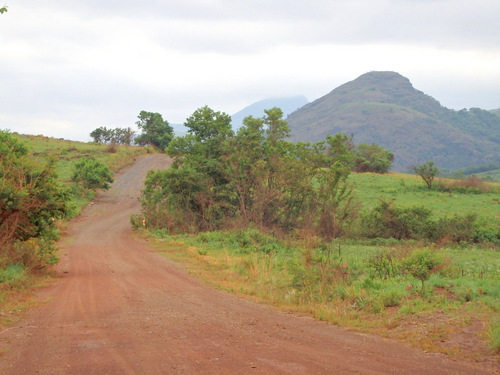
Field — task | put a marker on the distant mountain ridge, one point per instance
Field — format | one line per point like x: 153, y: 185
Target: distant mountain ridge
x: 384, y: 108
x: 287, y: 105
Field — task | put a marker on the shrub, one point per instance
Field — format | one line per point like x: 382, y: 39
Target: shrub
x: 386, y: 221
x: 421, y: 264
x: 391, y: 297
x: 469, y: 185
x: 92, y: 174
x: 12, y: 276
x: 31, y: 199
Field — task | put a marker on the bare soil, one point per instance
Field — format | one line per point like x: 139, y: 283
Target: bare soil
x: 116, y: 307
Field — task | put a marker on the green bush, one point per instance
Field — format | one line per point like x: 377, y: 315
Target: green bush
x: 386, y: 221
x: 12, y: 276
x: 92, y: 174
x: 31, y: 200
x: 422, y: 263
x: 391, y: 297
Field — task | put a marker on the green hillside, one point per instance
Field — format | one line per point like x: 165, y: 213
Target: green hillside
x: 384, y: 108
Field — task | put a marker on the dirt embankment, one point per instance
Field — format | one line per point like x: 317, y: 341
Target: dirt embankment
x: 118, y: 308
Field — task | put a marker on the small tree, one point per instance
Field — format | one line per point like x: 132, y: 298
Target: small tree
x: 421, y: 264
x: 372, y: 158
x: 427, y: 171
x: 92, y: 174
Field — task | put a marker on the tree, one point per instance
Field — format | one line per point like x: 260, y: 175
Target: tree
x: 3, y: 10
x: 252, y: 178
x: 92, y: 174
x: 155, y: 131
x: 427, y: 171
x: 372, y: 158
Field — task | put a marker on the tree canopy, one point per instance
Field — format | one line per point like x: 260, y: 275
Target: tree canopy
x: 254, y: 178
x: 155, y: 131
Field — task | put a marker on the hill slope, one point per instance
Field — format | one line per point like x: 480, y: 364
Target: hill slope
x: 384, y: 108
x: 287, y: 105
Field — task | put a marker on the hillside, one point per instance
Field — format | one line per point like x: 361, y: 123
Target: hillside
x: 384, y: 108
x: 287, y: 105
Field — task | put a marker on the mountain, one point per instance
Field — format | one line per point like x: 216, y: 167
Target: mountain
x: 384, y: 108
x: 287, y: 105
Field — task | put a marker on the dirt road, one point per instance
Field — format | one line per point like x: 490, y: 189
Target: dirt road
x: 119, y: 308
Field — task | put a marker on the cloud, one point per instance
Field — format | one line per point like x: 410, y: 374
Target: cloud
x: 83, y: 64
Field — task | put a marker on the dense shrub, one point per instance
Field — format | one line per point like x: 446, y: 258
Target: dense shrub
x: 386, y: 221
x: 469, y: 185
x: 92, y: 175
x: 31, y: 200
x: 251, y: 179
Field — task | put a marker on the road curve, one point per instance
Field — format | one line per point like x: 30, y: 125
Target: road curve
x: 119, y: 308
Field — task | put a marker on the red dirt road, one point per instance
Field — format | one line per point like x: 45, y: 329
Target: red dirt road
x: 118, y: 308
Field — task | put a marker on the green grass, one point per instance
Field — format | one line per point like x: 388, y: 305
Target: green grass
x: 69, y: 152
x: 409, y: 191
x: 493, y: 175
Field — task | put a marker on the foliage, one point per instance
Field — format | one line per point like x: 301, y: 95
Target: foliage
x: 372, y: 158
x: 92, y: 174
x: 427, y: 171
x: 3, y: 10
x: 469, y: 185
x: 155, y: 131
x: 387, y: 221
x: 113, y: 136
x: 31, y: 199
x: 253, y: 177
x: 421, y: 264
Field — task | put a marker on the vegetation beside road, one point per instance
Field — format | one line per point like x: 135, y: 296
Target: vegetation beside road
x: 40, y: 189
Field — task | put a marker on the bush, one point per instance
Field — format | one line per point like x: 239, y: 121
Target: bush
x: 12, y: 276
x: 31, y: 200
x: 92, y: 175
x: 469, y: 185
x: 421, y: 264
x: 386, y: 221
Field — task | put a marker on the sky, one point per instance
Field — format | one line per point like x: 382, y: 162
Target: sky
x: 69, y: 67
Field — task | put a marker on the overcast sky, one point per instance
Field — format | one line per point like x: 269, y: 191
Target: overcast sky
x: 68, y: 67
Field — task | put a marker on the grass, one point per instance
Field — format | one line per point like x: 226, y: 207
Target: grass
x: 408, y: 190
x: 68, y: 152
x: 493, y: 175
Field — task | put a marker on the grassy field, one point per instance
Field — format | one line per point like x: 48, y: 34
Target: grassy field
x: 493, y: 175
x: 67, y: 153
x: 409, y: 190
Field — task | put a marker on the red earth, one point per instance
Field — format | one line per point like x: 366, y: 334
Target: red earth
x: 116, y: 307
